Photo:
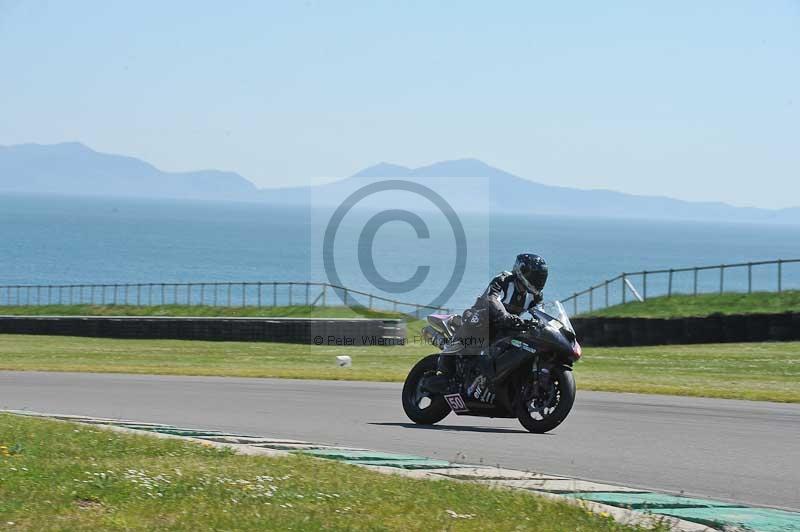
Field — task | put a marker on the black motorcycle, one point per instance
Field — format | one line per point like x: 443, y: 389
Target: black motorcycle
x: 526, y: 374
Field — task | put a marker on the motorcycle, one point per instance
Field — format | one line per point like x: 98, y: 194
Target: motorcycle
x: 525, y: 374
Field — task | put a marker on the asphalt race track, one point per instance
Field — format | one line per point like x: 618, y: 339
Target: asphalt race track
x: 748, y: 452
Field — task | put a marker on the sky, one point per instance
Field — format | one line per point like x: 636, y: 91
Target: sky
x: 692, y: 100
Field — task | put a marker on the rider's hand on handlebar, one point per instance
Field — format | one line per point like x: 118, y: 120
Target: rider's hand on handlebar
x: 518, y: 323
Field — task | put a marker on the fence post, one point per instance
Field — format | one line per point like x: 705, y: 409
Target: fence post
x: 695, y: 281
x: 258, y: 297
x: 749, y: 278
x: 606, y: 285
x: 202, y: 294
x: 416, y: 313
x: 345, y: 298
x: 230, y: 289
x: 215, y: 298
x: 721, y: 278
x: 274, y: 294
x: 370, y: 301
x: 669, y: 284
x: 591, y: 299
x: 644, y: 285
x: 163, y: 294
x: 324, y: 295
x: 244, y: 295
x: 780, y: 274
x: 290, y: 293
x: 574, y: 304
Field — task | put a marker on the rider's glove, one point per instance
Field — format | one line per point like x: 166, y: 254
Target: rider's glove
x: 517, y: 322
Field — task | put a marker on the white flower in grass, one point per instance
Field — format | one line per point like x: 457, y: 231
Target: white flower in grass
x: 456, y: 515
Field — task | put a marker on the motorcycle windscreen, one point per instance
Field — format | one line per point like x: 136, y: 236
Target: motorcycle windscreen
x: 556, y: 311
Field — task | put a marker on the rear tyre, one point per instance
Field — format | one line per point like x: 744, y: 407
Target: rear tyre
x: 546, y: 412
x: 421, y: 406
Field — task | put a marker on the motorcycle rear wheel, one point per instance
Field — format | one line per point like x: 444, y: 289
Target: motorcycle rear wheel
x: 422, y: 407
x: 564, y: 390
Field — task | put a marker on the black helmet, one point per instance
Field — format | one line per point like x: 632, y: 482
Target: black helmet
x: 531, y: 271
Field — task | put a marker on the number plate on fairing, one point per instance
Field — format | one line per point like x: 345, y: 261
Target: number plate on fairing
x: 456, y: 403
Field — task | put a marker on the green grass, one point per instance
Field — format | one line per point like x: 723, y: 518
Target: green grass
x: 297, y: 311
x: 65, y: 476
x: 705, y: 305
x: 757, y: 371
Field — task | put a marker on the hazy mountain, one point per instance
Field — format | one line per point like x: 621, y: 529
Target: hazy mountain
x: 508, y: 192
x: 72, y: 168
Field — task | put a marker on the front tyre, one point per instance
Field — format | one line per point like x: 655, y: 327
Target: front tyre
x: 545, y: 410
x: 423, y: 407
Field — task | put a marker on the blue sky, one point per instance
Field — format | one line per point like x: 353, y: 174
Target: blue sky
x: 695, y: 100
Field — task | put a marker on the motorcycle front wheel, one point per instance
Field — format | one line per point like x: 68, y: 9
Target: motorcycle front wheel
x: 550, y: 407
x: 423, y: 407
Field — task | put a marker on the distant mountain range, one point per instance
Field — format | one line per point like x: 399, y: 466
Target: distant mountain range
x: 75, y: 169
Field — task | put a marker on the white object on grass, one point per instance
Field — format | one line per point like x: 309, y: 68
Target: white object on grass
x: 344, y: 361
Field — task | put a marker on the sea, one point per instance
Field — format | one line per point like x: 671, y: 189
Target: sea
x: 52, y: 240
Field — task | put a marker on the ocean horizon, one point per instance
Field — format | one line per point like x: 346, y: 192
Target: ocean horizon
x: 82, y: 240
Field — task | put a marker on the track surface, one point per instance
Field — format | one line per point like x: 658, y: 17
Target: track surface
x: 743, y: 451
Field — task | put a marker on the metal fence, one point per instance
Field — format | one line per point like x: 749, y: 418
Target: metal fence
x: 259, y: 294
x: 744, y: 277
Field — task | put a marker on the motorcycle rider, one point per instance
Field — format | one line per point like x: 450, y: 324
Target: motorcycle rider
x: 499, y: 308
x: 512, y: 293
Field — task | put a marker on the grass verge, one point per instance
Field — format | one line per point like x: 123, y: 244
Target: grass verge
x: 65, y: 476
x: 705, y: 305
x: 297, y: 311
x: 756, y: 371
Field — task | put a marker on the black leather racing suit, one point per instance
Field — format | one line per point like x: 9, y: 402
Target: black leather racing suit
x: 502, y: 302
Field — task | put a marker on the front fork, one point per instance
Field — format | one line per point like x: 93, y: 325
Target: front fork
x: 541, y: 378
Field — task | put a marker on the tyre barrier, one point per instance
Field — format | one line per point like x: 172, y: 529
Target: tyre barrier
x: 717, y: 328
x: 312, y: 331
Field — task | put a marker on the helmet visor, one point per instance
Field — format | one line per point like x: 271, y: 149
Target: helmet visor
x: 532, y: 277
